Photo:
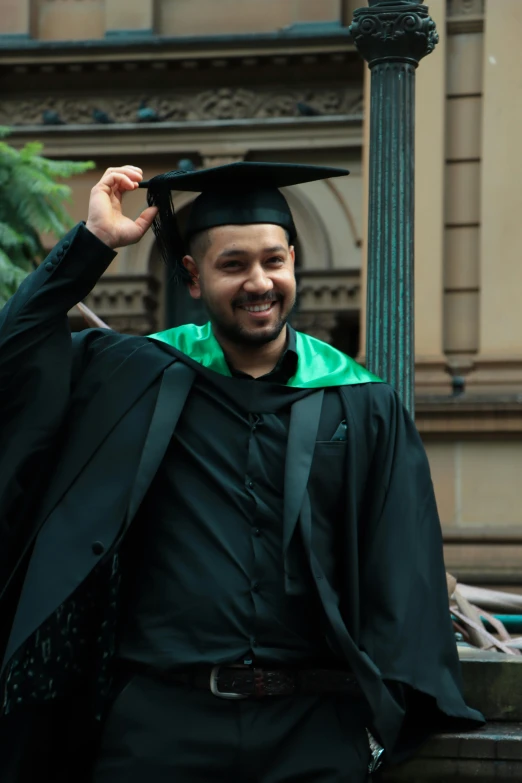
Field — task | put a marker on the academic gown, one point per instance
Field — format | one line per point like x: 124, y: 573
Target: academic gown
x: 75, y: 412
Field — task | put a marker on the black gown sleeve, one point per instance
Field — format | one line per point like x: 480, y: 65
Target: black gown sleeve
x: 405, y: 623
x: 38, y: 365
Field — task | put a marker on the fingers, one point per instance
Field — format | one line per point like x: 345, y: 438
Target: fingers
x: 121, y: 178
x: 117, y: 181
x: 144, y: 221
x: 130, y: 170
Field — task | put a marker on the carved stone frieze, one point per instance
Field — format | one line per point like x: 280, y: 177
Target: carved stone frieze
x: 190, y: 106
x: 318, y: 325
x: 127, y: 303
x: 333, y: 291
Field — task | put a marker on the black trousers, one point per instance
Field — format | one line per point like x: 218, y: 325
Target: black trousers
x: 158, y: 733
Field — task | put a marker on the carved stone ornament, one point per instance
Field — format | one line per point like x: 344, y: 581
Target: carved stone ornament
x: 318, y: 325
x: 331, y: 291
x: 465, y: 8
x: 186, y: 106
x: 127, y: 303
x: 393, y: 30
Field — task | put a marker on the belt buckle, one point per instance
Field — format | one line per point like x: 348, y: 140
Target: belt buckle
x: 214, y: 674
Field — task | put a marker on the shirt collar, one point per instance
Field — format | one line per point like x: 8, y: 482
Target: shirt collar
x: 285, y: 368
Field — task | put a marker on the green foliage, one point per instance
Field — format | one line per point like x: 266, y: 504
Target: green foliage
x: 32, y: 203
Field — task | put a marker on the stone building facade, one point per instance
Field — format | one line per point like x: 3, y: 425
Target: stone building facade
x: 280, y: 80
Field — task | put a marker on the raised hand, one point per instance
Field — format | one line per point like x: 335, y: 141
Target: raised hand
x: 106, y: 219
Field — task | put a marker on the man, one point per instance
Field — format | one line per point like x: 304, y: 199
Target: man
x: 222, y: 558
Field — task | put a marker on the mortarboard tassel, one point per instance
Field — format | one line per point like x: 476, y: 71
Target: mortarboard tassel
x: 165, y: 225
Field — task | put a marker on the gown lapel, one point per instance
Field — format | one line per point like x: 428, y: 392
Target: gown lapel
x: 302, y: 435
x: 175, y: 386
x: 130, y: 379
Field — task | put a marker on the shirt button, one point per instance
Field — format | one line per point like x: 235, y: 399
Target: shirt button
x: 253, y: 642
x: 251, y: 485
x: 256, y: 532
x: 98, y: 548
x: 255, y: 587
x: 49, y: 266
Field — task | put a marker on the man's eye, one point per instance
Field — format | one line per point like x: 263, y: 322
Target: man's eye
x: 275, y: 260
x: 230, y: 264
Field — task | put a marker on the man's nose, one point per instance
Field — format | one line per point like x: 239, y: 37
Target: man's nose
x: 258, y: 281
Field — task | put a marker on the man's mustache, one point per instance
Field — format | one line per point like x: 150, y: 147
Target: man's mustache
x: 252, y: 299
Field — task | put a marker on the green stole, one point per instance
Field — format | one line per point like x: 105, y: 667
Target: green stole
x: 319, y: 366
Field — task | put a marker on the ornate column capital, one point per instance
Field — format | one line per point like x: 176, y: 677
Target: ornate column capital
x: 393, y: 30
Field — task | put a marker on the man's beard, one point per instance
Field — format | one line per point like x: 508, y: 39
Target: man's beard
x: 240, y: 336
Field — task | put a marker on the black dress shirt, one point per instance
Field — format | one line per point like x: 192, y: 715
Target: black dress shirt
x: 208, y: 585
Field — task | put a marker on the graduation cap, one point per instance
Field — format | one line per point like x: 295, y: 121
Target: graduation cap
x: 235, y: 194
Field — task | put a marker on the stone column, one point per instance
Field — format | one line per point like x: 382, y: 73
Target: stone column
x: 361, y: 356
x: 129, y: 17
x: 16, y: 19
x: 392, y: 36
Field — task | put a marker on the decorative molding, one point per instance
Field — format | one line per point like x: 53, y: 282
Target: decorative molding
x: 465, y: 8
x: 306, y: 42
x: 460, y: 25
x: 188, y: 106
x: 127, y: 303
x: 329, y: 291
x: 148, y: 55
x: 467, y: 415
x: 465, y: 16
x: 496, y: 375
x: 318, y: 325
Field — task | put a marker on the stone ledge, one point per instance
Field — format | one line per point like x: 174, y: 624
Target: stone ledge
x: 469, y: 413
x: 493, y: 685
x: 294, y: 35
x: 206, y: 137
x: 486, y: 561
x: 492, y: 753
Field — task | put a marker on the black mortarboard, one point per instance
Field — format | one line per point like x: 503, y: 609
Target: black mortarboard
x: 234, y: 194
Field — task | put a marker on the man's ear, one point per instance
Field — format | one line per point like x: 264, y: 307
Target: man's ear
x: 291, y: 250
x: 193, y: 287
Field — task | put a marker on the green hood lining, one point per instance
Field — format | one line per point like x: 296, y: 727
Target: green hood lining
x: 320, y: 365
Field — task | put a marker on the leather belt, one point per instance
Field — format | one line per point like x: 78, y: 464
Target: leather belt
x: 242, y: 681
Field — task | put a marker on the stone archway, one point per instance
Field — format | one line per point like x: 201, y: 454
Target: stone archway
x: 314, y: 245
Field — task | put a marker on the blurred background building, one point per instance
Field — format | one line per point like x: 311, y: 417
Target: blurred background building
x: 151, y: 82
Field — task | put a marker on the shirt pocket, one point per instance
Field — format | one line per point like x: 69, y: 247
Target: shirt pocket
x: 327, y: 498
x: 326, y: 479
